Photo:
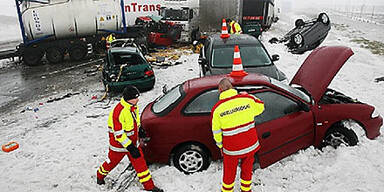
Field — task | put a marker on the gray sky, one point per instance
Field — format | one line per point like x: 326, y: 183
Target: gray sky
x: 337, y: 2
x: 7, y: 7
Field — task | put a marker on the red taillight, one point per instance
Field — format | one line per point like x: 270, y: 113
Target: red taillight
x: 149, y: 73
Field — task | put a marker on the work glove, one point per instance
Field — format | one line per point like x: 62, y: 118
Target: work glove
x: 142, y: 133
x: 133, y: 150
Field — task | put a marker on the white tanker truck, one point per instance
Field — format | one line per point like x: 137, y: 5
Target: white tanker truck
x: 55, y: 28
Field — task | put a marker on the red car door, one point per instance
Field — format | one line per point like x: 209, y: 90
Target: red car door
x: 283, y: 128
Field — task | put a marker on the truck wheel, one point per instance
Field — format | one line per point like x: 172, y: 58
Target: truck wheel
x: 54, y: 55
x: 191, y: 158
x: 339, y: 134
x: 32, y: 58
x: 77, y: 52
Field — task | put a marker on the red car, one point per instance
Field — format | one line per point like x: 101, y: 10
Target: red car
x: 296, y: 116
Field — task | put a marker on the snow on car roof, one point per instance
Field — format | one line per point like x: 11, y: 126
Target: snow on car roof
x: 213, y: 81
x: 124, y: 49
x: 234, y: 39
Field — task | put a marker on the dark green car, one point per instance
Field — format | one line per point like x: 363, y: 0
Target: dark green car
x: 127, y: 66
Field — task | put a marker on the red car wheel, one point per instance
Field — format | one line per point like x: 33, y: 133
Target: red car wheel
x: 338, y: 135
x: 191, y: 158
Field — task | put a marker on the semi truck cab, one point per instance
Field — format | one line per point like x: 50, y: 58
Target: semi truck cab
x: 185, y: 17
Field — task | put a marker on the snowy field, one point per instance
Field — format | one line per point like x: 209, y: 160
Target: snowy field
x: 64, y: 142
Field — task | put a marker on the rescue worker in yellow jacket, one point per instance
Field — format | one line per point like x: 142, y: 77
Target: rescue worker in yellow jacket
x: 234, y: 131
x: 123, y: 126
x: 110, y: 38
x: 234, y: 27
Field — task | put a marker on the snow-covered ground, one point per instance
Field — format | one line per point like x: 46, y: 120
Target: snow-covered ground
x: 63, y: 142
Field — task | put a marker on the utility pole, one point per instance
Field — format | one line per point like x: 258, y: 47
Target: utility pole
x: 373, y: 11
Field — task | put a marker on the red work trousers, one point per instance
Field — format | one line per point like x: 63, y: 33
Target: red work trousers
x: 229, y: 171
x: 138, y: 164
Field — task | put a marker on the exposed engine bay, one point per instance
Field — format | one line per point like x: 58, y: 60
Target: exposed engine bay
x: 334, y: 97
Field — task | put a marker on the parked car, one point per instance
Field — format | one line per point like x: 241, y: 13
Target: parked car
x: 217, y: 55
x: 307, y: 35
x: 296, y: 116
x: 127, y: 66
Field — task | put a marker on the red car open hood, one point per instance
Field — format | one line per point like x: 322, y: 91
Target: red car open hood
x: 320, y: 67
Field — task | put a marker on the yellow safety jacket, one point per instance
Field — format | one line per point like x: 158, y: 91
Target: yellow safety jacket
x: 110, y: 38
x: 233, y: 123
x: 123, y: 124
x: 235, y: 28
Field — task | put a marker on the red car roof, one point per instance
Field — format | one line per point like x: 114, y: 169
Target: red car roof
x: 213, y: 81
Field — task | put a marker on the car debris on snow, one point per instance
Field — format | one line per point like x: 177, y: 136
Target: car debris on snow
x: 379, y: 79
x: 168, y: 56
x: 63, y: 97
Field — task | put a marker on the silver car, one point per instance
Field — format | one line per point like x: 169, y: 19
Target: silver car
x: 216, y: 57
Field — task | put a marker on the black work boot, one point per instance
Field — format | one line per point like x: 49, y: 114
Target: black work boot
x: 156, y: 189
x: 100, y: 181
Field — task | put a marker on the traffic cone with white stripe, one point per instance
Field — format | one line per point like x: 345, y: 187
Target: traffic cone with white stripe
x: 237, y: 68
x: 224, y: 30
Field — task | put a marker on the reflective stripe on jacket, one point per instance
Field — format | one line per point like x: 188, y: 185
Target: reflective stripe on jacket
x: 235, y: 28
x: 233, y: 124
x: 123, y: 123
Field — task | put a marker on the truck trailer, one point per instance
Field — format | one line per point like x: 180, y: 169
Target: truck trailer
x: 254, y: 16
x: 54, y: 28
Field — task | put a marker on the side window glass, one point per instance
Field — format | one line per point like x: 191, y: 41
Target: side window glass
x: 203, y: 103
x: 275, y: 106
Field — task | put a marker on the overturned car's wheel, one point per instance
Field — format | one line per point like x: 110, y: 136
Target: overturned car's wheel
x: 299, y: 23
x: 191, y: 158
x: 297, y: 39
x: 338, y: 135
x: 323, y: 17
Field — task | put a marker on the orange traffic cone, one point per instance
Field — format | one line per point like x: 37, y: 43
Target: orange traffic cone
x: 224, y: 30
x: 237, y: 68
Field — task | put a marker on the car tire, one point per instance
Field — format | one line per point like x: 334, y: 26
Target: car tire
x: 323, y: 18
x: 295, y: 40
x: 299, y: 23
x: 191, y: 158
x: 338, y: 135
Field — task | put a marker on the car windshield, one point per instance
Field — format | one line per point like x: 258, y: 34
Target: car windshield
x: 292, y: 90
x: 120, y: 58
x: 175, y: 14
x: 251, y: 56
x: 169, y: 98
